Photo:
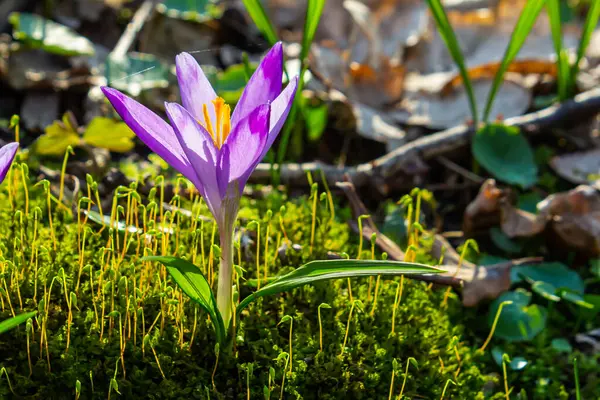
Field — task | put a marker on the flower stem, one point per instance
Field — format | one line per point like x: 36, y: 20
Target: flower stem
x: 224, y: 285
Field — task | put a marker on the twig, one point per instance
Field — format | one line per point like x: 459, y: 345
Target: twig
x: 137, y: 22
x: 401, y: 161
x: 477, y: 283
x: 465, y: 173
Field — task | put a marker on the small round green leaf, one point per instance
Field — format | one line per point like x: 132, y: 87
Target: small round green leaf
x: 561, y: 345
x: 505, y: 153
x: 554, y: 273
x: 576, y: 298
x: 587, y: 313
x: 546, y: 290
x: 518, y: 321
x: 230, y: 83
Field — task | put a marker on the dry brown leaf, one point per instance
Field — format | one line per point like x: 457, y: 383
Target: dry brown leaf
x: 484, y: 210
x: 369, y: 63
x: 579, y: 168
x: 427, y: 107
x: 375, y: 86
x: 519, y: 223
x: 492, y: 207
x: 32, y: 69
x: 571, y: 219
x: 392, y: 25
x: 575, y: 218
x: 373, y: 125
x: 583, y: 200
x: 484, y: 37
x: 365, y: 62
x: 488, y: 71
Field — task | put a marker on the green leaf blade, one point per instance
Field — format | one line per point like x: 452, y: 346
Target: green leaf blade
x: 562, y: 60
x: 524, y: 25
x: 520, y: 320
x: 321, y: 270
x: 590, y: 24
x: 13, y: 322
x: 314, y: 10
x: 449, y: 37
x: 191, y: 281
x: 315, y: 118
x: 261, y: 19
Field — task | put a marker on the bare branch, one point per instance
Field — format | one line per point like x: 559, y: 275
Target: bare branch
x: 407, y: 159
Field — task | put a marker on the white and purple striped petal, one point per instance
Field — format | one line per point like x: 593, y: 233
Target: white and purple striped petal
x: 196, y: 90
x: 154, y: 132
x: 200, y: 150
x: 263, y: 87
x: 7, y: 155
x: 243, y: 148
x: 280, y: 108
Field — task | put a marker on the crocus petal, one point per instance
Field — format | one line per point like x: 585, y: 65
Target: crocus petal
x: 195, y: 88
x: 153, y: 131
x: 264, y: 85
x: 243, y: 147
x: 200, y: 150
x: 223, y: 170
x: 7, y: 155
x: 280, y: 108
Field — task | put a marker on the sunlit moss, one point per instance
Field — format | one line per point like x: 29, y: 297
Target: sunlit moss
x: 131, y: 324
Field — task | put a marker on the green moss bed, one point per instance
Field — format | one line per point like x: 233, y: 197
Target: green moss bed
x: 132, y: 334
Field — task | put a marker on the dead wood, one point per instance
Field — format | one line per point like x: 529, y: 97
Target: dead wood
x: 406, y: 162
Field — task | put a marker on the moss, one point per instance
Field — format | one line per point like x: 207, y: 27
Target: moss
x: 131, y: 323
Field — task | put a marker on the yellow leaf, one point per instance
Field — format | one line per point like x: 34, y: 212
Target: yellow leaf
x: 57, y: 138
x: 108, y: 134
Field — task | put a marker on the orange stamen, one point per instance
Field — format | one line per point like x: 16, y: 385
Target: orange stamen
x: 207, y: 123
x: 223, y: 124
x: 226, y: 122
x: 218, y: 104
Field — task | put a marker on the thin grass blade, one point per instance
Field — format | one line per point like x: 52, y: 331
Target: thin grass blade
x: 526, y: 21
x: 261, y: 19
x: 287, y: 129
x: 191, y: 281
x: 562, y: 61
x: 13, y: 322
x: 314, y: 10
x: 321, y: 270
x: 591, y: 21
x: 447, y: 34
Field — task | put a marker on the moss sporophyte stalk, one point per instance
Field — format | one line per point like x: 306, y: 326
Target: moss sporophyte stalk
x: 217, y: 151
x: 7, y: 155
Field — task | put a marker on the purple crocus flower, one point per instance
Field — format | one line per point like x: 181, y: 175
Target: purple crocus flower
x: 7, y: 155
x: 216, y: 150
